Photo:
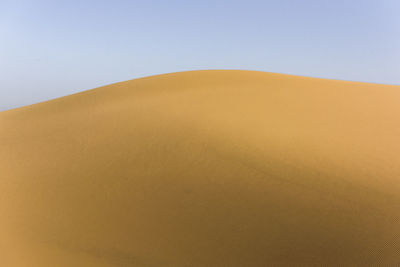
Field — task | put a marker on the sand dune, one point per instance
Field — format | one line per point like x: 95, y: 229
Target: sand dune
x: 204, y: 168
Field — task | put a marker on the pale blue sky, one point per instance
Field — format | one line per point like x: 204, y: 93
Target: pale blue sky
x: 54, y: 48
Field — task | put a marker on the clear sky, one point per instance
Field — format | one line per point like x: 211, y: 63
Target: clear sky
x: 53, y: 48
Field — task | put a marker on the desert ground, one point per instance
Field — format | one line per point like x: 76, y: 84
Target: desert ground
x: 204, y: 168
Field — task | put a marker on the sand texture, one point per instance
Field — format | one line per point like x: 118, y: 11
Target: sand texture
x: 204, y: 168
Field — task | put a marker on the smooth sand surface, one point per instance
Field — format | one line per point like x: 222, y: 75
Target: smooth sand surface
x: 204, y: 168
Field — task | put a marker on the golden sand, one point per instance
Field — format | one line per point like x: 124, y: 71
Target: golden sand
x: 204, y: 168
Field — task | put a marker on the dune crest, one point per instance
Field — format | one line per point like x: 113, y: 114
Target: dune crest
x: 204, y: 168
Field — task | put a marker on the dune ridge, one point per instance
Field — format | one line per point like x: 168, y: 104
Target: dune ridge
x: 204, y: 168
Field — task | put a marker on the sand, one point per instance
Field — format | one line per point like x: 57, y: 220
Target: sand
x: 204, y: 168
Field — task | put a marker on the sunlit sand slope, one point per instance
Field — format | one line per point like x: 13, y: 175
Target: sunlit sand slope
x: 204, y: 168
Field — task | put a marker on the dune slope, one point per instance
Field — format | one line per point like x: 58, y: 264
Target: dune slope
x: 204, y: 168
